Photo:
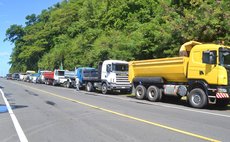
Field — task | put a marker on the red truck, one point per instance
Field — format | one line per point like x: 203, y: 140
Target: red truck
x: 55, y: 78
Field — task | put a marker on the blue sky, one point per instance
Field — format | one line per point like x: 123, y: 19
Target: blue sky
x: 14, y: 12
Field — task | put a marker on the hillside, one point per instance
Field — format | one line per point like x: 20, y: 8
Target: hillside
x: 84, y: 32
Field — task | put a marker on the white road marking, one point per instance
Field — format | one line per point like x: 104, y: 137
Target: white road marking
x: 17, y: 126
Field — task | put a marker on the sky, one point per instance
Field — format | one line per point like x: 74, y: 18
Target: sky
x: 14, y: 12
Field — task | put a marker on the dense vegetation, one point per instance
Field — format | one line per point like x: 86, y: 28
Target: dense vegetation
x: 84, y: 32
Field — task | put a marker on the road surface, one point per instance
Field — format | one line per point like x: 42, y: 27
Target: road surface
x: 42, y: 113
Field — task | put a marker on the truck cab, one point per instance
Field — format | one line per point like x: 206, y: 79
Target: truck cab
x: 114, y: 76
x: 59, y: 77
x: 210, y: 65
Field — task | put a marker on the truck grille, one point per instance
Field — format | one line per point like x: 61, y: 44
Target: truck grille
x: 122, y: 81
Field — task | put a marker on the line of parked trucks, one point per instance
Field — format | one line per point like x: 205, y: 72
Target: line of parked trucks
x: 111, y: 75
x: 201, y: 73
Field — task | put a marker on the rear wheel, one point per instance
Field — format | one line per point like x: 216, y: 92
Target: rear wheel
x: 68, y: 84
x: 140, y: 92
x: 104, y: 88
x: 154, y: 93
x: 54, y: 82
x: 197, y: 98
x: 89, y: 87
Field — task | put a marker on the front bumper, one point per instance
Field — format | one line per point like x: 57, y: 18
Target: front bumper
x: 119, y: 87
x: 61, y: 81
x: 218, y: 93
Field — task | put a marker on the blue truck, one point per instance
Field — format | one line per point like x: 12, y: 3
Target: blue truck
x: 84, y: 74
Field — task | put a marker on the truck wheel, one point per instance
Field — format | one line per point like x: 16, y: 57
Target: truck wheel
x: 154, y: 93
x: 89, y: 87
x: 197, y: 98
x: 68, y: 84
x: 53, y: 83
x: 104, y: 88
x: 140, y: 92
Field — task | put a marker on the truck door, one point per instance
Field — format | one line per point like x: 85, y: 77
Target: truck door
x: 203, y: 66
x: 79, y: 74
x: 105, y: 70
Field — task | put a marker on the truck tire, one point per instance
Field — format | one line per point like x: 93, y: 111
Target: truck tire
x: 154, y: 93
x: 140, y: 92
x: 54, y: 83
x: 68, y: 84
x: 89, y: 87
x: 104, y: 88
x: 197, y: 98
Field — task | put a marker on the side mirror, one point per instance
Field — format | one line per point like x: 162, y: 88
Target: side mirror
x: 209, y: 57
x: 108, y: 68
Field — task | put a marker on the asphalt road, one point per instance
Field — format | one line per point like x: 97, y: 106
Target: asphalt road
x: 55, y: 114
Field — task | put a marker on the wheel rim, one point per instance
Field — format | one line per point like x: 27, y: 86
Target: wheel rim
x: 104, y: 88
x: 152, y: 94
x: 88, y: 87
x: 196, y: 98
x: 139, y: 92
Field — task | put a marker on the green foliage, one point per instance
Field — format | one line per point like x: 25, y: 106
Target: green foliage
x: 14, y: 33
x: 84, y: 32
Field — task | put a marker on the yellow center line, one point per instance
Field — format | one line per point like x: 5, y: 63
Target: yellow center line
x: 127, y: 116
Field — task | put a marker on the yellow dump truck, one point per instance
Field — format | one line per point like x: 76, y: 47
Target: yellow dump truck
x: 201, y: 73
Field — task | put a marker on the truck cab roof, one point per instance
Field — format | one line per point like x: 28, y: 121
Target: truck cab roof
x: 115, y: 61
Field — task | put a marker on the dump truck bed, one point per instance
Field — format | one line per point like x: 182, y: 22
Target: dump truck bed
x: 171, y: 69
x: 48, y: 75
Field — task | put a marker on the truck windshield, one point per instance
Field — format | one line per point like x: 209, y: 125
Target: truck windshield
x: 225, y: 58
x: 61, y: 73
x: 120, y: 67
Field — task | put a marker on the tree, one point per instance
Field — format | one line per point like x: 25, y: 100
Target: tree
x: 85, y: 32
x: 31, y: 19
x: 14, y: 33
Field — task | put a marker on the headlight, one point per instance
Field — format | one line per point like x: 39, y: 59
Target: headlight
x: 222, y: 90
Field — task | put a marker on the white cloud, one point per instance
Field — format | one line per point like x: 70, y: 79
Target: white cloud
x: 3, y: 54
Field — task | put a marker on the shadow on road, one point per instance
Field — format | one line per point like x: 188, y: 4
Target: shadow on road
x: 31, y: 93
x: 3, y: 108
x: 50, y: 103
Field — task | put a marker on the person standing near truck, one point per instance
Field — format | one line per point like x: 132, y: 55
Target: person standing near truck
x: 77, y: 83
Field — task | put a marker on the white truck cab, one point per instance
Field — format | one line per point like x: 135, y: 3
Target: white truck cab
x: 114, y: 76
x: 59, y: 76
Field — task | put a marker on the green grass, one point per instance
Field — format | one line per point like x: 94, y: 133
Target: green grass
x: 130, y: 94
x: 184, y: 98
